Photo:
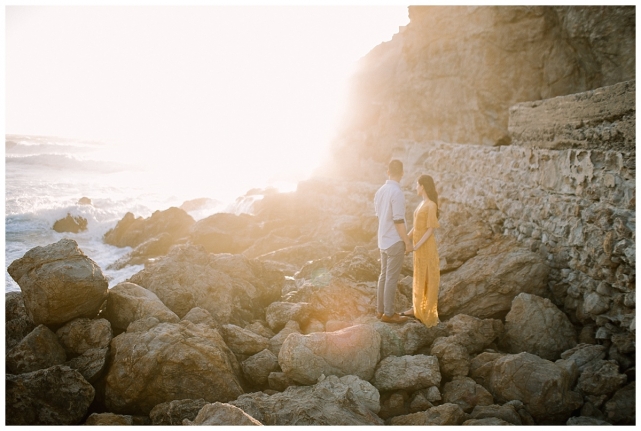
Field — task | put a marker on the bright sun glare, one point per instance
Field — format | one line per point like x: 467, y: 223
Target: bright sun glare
x: 233, y: 96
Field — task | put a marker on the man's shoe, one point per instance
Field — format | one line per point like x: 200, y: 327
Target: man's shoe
x: 379, y: 315
x: 396, y: 318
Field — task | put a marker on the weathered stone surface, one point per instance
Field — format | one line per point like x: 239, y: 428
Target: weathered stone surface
x: 18, y: 322
x: 577, y: 121
x: 278, y: 314
x: 83, y: 334
x: 54, y: 396
x: 473, y: 333
x: 486, y: 422
x: 329, y: 402
x: 70, y: 223
x: 199, y: 315
x: 242, y: 341
x: 505, y: 412
x: 166, y: 362
x: 445, y: 414
x: 109, y: 419
x: 621, y: 408
x: 543, y: 387
x: 364, y: 391
x: 586, y: 420
x: 407, y: 339
x: 258, y: 367
x: 59, y: 283
x: 409, y: 373
x: 453, y: 358
x: 536, y: 325
x: 601, y: 377
x: 466, y: 393
x: 358, y: 265
x: 174, y: 412
x: 485, y: 285
x: 279, y: 381
x: 222, y: 414
x: 583, y: 354
x: 351, y: 351
x: 132, y: 231
x: 159, y: 245
x: 276, y: 342
x: 224, y: 232
x: 481, y: 367
x: 38, y: 350
x: 91, y: 363
x: 128, y: 302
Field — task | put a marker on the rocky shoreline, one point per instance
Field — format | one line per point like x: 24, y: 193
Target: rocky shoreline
x: 269, y: 319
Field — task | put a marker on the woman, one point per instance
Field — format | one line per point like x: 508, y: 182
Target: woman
x: 426, y: 262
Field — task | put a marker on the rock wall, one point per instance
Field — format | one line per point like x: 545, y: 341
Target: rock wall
x: 566, y: 189
x: 453, y: 72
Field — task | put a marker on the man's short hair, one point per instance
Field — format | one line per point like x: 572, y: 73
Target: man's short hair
x: 395, y: 168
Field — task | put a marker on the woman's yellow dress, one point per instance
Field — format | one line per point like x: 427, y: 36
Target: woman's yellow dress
x: 427, y: 274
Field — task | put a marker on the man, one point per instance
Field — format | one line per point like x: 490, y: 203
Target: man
x: 393, y: 241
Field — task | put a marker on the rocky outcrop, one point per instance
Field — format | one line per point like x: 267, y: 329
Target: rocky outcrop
x: 222, y: 414
x: 175, y: 412
x: 70, y: 223
x: 169, y: 361
x: 132, y: 231
x: 409, y: 373
x: 59, y: 283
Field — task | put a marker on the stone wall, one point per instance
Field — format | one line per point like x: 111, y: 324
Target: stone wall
x: 563, y: 190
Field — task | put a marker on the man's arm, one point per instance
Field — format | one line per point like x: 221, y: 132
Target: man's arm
x: 402, y: 232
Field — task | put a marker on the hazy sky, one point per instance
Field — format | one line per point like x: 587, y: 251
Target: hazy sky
x: 251, y: 89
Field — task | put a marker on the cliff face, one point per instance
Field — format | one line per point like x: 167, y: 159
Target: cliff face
x: 453, y: 73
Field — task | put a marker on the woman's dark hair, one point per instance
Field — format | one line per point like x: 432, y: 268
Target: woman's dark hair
x: 428, y: 184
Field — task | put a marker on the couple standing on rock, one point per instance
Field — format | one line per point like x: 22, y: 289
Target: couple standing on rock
x: 395, y: 242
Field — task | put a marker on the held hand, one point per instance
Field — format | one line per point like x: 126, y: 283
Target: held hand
x: 408, y: 247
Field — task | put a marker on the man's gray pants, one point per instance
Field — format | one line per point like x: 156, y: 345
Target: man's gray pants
x: 391, y: 264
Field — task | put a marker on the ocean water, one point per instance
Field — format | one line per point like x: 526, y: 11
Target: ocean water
x: 45, y: 177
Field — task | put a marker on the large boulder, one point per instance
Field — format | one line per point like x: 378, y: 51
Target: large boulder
x: 332, y: 401
x: 506, y: 412
x: 54, y: 396
x: 407, y: 339
x: 536, y: 325
x: 132, y: 231
x: 18, y: 322
x: 91, y: 363
x: 543, y: 387
x: 83, y: 334
x: 70, y: 223
x: 409, y: 373
x: 225, y: 232
x: 39, y: 349
x: 59, y: 283
x: 258, y: 367
x: 153, y: 247
x: 486, y: 284
x: 473, y: 333
x: 278, y: 314
x: 174, y: 412
x: 445, y: 414
x: 350, y: 351
x: 168, y: 361
x: 583, y: 354
x: 222, y: 414
x: 621, y: 408
x: 601, y: 377
x: 453, y: 358
x: 466, y: 393
x: 109, y: 419
x: 243, y: 341
x: 128, y: 302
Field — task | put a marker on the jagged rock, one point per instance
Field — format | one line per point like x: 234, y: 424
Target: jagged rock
x: 505, y: 412
x: 358, y: 265
x: 466, y: 234
x: 193, y: 360
x: 466, y: 393
x: 153, y: 247
x: 445, y: 414
x: 109, y: 419
x: 222, y: 414
x: 329, y: 402
x: 54, y: 396
x: 481, y: 367
x: 314, y: 325
x: 18, y: 322
x: 276, y: 342
x: 419, y: 401
x: 583, y: 354
x: 190, y: 277
x: 601, y: 377
x: 257, y: 368
x: 224, y: 232
x: 409, y: 373
x: 91, y: 363
x: 621, y: 408
x: 132, y: 231
x: 351, y: 351
x: 84, y: 201
x: 542, y: 386
x: 473, y: 333
x: 83, y: 334
x: 278, y: 381
x: 486, y: 422
x: 364, y: 391
x: 452, y: 356
x: 128, y: 302
x: 394, y: 404
x: 537, y: 326
x: 199, y: 315
x: 260, y: 328
x: 242, y: 341
x: 38, y: 350
x: 486, y: 284
x: 70, y: 223
x: 407, y: 339
x: 174, y: 412
x: 278, y: 314
x: 585, y: 420
x: 59, y: 283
